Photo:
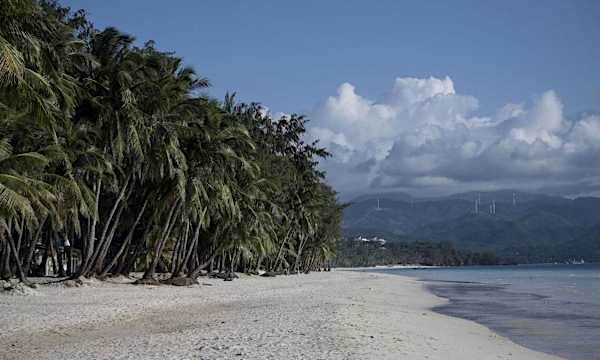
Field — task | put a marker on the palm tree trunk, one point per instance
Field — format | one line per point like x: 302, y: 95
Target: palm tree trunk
x: 59, y: 258
x: 232, y: 254
x: 113, y: 210
x: 44, y: 264
x: 107, y: 225
x: 222, y: 261
x: 52, y: 254
x: 122, y: 262
x: 99, y: 263
x: 5, y: 271
x: 179, y: 250
x: 196, y: 272
x: 149, y: 274
x: 15, y: 255
x: 69, y: 254
x: 299, y: 253
x: 89, y: 247
x: 20, y: 239
x: 126, y: 242
x: 191, y: 248
x: 259, y: 263
x: 29, y: 258
x: 285, y: 238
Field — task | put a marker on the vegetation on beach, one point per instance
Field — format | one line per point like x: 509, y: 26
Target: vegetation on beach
x: 114, y: 151
x: 352, y: 252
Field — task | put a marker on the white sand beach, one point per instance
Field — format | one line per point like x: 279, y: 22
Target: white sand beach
x: 335, y: 315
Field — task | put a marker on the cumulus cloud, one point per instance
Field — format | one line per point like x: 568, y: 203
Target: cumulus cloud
x: 423, y: 137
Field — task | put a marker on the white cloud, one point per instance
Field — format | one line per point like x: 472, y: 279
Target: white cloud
x: 266, y: 111
x: 424, y: 137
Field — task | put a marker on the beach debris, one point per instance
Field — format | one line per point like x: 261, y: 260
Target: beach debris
x: 150, y: 281
x: 272, y: 273
x: 17, y: 288
x: 182, y: 281
x: 72, y: 283
x: 227, y: 276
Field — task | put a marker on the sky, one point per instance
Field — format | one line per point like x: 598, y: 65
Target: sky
x: 423, y: 97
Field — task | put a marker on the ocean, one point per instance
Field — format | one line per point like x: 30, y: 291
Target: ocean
x: 549, y: 308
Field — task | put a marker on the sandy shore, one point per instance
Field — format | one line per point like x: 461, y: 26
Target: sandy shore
x: 337, y: 315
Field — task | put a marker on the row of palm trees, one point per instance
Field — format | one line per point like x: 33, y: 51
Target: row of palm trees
x: 113, y: 151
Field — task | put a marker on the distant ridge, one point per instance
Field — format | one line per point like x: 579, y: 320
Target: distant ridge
x: 398, y: 196
x: 524, y: 227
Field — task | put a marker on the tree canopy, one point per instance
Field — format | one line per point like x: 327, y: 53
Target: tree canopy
x: 115, y: 151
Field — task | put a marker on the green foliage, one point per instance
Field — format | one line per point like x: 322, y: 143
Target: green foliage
x: 113, y: 148
x: 359, y: 253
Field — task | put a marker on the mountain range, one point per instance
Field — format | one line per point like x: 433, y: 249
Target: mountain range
x: 517, y: 226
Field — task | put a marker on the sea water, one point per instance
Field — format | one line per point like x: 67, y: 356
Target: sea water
x: 549, y: 308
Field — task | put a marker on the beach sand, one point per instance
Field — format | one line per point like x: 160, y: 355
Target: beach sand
x: 333, y: 315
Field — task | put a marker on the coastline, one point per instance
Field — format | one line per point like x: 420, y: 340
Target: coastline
x: 387, y: 267
x: 331, y: 315
x: 548, y: 308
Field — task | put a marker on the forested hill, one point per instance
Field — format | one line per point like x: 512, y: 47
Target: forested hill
x: 518, y: 226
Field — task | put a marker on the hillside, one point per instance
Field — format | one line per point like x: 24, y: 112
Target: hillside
x: 523, y: 227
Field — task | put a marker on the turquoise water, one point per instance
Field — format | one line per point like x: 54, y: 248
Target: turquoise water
x: 550, y: 308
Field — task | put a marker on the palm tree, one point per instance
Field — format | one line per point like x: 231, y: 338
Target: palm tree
x: 114, y: 148
x: 22, y: 197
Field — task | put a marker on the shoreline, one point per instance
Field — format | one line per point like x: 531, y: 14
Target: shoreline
x: 388, y: 267
x: 425, y: 267
x: 331, y: 315
x: 542, y: 308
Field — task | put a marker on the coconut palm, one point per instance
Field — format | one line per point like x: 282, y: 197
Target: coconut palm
x: 114, y: 149
x: 22, y: 198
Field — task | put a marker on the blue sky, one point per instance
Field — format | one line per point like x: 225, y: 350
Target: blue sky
x: 418, y: 96
x: 290, y: 54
